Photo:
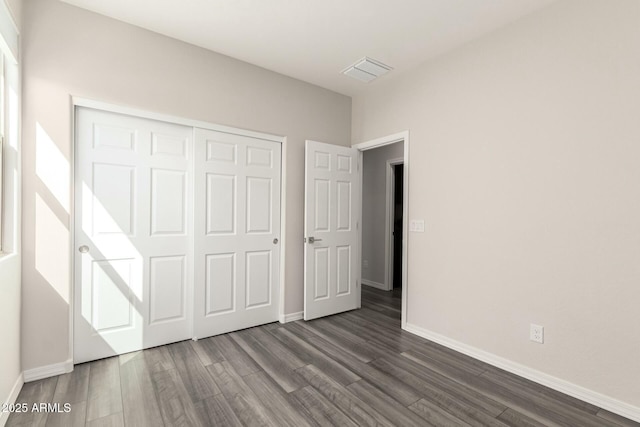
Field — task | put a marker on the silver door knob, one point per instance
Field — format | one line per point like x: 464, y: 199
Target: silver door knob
x: 275, y: 241
x: 83, y: 249
x: 313, y: 239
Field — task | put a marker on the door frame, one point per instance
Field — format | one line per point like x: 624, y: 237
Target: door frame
x: 369, y: 145
x: 389, y: 223
x: 75, y: 102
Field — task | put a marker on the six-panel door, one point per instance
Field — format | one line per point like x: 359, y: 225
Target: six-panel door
x: 237, y: 232
x: 145, y: 198
x: 132, y: 232
x: 332, y: 189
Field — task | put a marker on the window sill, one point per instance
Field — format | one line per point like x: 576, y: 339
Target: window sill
x: 7, y: 257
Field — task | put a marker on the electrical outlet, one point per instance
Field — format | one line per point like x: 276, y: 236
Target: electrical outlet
x: 365, y: 263
x: 536, y: 333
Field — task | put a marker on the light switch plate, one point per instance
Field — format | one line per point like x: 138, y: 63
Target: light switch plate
x: 416, y: 225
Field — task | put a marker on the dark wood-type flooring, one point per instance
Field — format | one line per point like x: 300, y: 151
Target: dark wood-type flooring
x: 351, y: 369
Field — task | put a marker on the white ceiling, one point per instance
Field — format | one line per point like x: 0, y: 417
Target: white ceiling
x: 314, y: 40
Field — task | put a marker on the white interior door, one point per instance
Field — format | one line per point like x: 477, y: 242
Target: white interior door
x: 332, y: 192
x: 133, y: 193
x: 237, y: 232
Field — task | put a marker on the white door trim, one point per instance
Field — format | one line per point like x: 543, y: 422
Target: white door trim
x: 77, y: 101
x: 132, y: 111
x: 389, y: 223
x: 72, y: 234
x: 283, y: 228
x: 375, y: 143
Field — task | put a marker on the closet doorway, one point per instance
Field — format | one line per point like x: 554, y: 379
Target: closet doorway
x: 176, y: 232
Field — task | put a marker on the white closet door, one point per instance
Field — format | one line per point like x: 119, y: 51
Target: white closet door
x: 133, y: 234
x: 237, y: 232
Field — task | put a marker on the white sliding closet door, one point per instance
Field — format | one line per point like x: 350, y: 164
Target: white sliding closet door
x: 237, y: 232
x: 133, y: 264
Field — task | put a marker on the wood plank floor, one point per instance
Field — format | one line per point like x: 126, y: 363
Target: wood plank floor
x: 351, y: 369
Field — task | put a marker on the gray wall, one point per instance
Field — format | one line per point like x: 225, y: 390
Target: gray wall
x: 525, y: 166
x: 374, y: 209
x: 70, y: 51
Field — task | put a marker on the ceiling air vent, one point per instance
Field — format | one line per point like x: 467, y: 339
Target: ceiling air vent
x: 366, y: 70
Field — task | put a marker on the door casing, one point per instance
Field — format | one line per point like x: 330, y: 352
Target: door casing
x: 369, y: 145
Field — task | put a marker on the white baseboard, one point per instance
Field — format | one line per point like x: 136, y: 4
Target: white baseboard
x: 48, y: 371
x: 605, y: 402
x: 285, y: 318
x: 11, y: 399
x: 373, y: 284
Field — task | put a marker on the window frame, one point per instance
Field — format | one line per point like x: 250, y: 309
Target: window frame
x: 3, y: 126
x: 9, y: 138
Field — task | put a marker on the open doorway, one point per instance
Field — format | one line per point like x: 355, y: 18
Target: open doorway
x: 381, y: 215
x: 383, y: 231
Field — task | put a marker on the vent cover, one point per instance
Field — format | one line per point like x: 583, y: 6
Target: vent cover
x: 366, y: 70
